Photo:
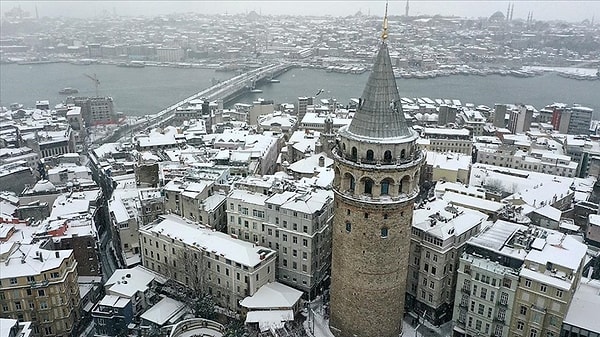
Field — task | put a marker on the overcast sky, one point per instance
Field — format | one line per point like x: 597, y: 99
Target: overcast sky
x: 574, y: 11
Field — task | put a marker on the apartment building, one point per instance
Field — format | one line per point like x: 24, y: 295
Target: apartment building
x: 487, y: 280
x: 439, y: 232
x: 548, y: 279
x: 447, y: 167
x: 519, y: 119
x: 197, y: 201
x: 128, y: 293
x: 446, y: 140
x: 206, y: 261
x: 535, y: 160
x: 296, y: 224
x: 40, y: 286
x: 573, y: 121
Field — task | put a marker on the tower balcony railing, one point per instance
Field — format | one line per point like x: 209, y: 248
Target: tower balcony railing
x: 363, y: 197
x: 405, y: 162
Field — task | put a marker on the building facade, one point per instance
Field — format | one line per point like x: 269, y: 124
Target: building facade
x: 40, y: 286
x: 206, y: 261
x: 296, y: 224
x: 377, y: 167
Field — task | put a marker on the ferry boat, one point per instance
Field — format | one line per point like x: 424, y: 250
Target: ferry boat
x: 68, y: 91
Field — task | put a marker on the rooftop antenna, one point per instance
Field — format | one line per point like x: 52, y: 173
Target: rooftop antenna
x: 384, y: 34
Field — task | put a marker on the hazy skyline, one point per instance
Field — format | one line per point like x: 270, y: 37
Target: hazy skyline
x: 574, y: 11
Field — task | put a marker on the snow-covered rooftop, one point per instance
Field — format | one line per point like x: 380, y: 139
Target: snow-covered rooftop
x: 222, y: 244
x: 272, y: 295
x: 163, y: 311
x: 127, y: 282
x: 583, y: 311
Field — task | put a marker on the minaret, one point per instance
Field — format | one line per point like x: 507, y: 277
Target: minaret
x: 406, y: 9
x: 377, y: 167
x: 512, y: 11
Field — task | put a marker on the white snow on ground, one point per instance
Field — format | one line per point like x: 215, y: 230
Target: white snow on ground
x: 321, y: 325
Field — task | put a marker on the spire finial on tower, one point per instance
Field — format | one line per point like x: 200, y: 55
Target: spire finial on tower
x: 384, y: 35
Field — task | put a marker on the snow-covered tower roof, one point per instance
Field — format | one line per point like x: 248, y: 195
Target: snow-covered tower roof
x: 379, y: 114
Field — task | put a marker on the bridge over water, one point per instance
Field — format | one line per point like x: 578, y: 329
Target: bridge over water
x: 226, y: 90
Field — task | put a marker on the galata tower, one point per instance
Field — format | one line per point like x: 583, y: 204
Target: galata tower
x: 377, y: 167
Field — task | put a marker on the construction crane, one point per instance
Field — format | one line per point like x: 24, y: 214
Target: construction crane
x: 96, y: 81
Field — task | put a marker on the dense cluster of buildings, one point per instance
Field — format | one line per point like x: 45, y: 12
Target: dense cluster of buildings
x: 387, y: 208
x: 421, y: 46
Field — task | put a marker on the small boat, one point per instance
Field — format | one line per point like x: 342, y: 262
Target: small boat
x: 68, y: 91
x: 274, y: 80
x: 256, y: 91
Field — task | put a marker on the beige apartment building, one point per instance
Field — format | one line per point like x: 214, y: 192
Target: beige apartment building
x: 446, y: 140
x: 516, y: 280
x: 487, y: 280
x: 439, y: 232
x: 40, y: 286
x: 206, y: 261
x: 197, y: 201
x: 548, y: 278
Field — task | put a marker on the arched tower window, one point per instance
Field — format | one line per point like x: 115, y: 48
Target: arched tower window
x: 348, y: 227
x: 403, y: 153
x: 404, y: 185
x: 369, y: 155
x: 348, y: 182
x: 354, y: 153
x: 368, y: 186
x: 387, y: 156
x: 385, y: 187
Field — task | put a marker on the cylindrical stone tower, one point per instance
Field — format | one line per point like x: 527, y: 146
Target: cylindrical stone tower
x: 377, y: 167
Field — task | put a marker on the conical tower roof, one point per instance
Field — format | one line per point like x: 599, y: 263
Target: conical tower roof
x: 379, y: 114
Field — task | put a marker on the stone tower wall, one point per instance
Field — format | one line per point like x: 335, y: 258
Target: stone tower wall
x: 368, y: 269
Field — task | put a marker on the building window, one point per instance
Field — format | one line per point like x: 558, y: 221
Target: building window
x: 543, y: 288
x: 520, y: 326
x: 369, y: 155
x: 528, y: 283
x: 348, y: 227
x: 559, y: 293
x: 368, y: 186
x: 533, y: 333
x: 384, y: 232
x: 387, y: 156
x: 523, y: 310
x: 385, y: 187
